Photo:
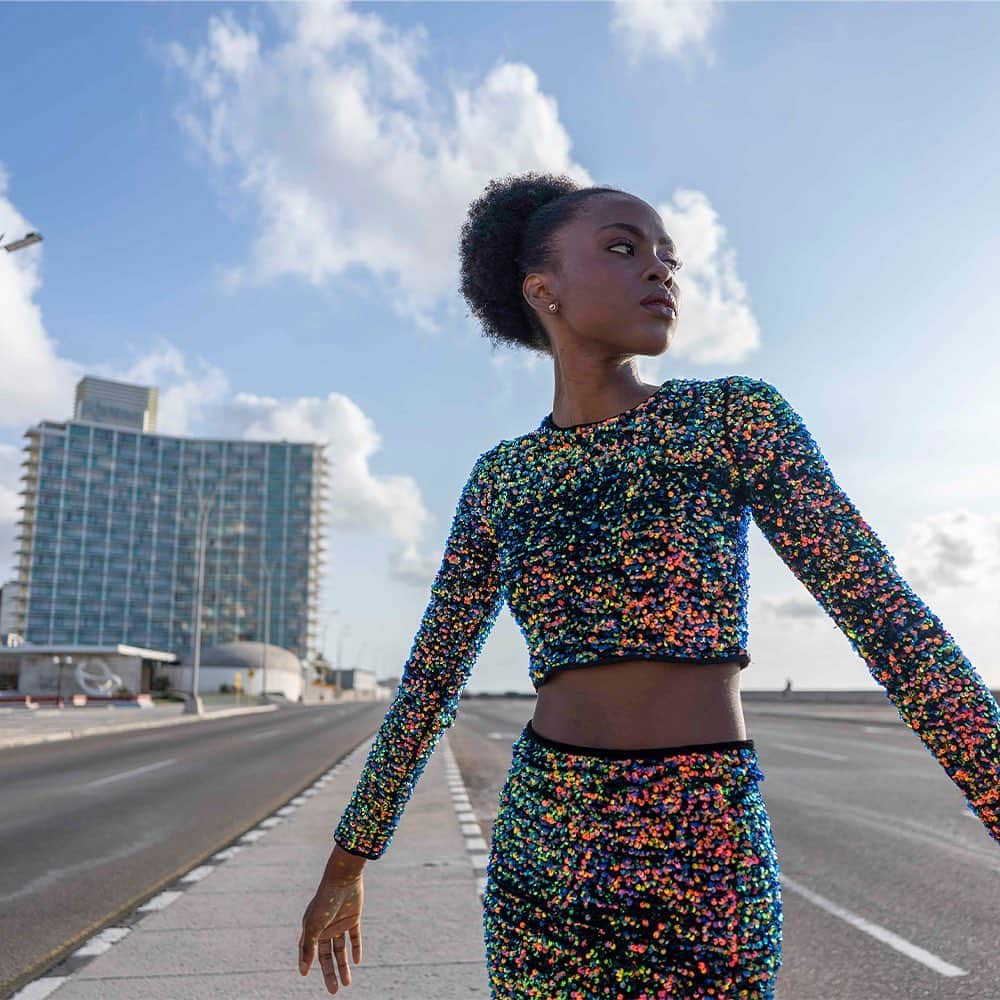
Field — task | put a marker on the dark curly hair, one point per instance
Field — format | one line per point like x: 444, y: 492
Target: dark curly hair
x: 507, y: 234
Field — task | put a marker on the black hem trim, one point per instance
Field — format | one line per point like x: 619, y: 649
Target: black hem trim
x: 742, y: 657
x: 359, y: 854
x: 656, y: 753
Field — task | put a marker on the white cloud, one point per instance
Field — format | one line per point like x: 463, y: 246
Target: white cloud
x: 716, y: 323
x: 660, y: 29
x: 360, y: 502
x: 351, y: 160
x: 34, y: 381
x: 195, y: 399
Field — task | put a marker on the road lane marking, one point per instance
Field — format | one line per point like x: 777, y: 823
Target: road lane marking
x: 877, y: 931
x: 197, y: 874
x: 894, y: 826
x: 264, y: 733
x: 160, y: 902
x: 128, y: 774
x: 40, y: 988
x: 101, y: 942
x: 808, y: 750
x: 475, y: 843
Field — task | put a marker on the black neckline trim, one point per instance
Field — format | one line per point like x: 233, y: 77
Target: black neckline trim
x: 547, y: 423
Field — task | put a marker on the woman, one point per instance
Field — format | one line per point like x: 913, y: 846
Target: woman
x: 632, y: 853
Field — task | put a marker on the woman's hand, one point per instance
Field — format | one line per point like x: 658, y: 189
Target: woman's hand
x: 334, y: 910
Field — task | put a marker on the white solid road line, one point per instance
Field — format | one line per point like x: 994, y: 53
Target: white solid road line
x: 40, y: 988
x: 128, y: 774
x: 808, y: 750
x: 883, y: 934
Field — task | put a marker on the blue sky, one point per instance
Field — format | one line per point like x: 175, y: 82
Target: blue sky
x: 256, y: 208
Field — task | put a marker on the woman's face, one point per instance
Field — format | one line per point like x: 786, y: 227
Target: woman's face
x: 606, y: 272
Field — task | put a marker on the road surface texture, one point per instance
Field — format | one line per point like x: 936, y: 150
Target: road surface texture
x: 90, y: 827
x: 892, y: 886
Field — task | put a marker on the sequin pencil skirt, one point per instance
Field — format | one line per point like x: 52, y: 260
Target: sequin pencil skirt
x: 632, y: 875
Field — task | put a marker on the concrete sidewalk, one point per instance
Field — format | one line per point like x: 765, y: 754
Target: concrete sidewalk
x: 232, y: 929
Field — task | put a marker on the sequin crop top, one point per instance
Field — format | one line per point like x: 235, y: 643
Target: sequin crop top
x: 626, y: 538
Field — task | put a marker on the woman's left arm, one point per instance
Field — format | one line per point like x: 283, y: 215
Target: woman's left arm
x: 821, y: 536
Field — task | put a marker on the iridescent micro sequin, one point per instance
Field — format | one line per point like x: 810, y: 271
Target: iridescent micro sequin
x: 647, y: 877
x: 626, y: 538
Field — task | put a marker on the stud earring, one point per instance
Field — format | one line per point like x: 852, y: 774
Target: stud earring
x: 553, y: 306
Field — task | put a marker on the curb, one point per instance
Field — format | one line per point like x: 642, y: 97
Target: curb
x: 475, y: 843
x: 75, y: 734
x: 118, y: 928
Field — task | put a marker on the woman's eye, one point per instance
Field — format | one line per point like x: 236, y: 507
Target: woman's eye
x: 631, y: 246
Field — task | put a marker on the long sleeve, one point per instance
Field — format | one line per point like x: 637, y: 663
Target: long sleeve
x: 821, y: 536
x: 464, y: 603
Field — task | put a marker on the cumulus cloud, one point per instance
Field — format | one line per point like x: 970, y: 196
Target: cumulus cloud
x: 35, y: 381
x: 666, y: 29
x: 360, y: 501
x: 349, y: 159
x: 950, y: 559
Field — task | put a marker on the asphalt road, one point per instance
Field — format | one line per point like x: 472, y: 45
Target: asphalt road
x: 89, y: 828
x: 891, y: 886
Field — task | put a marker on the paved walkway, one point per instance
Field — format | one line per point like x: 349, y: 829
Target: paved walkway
x: 232, y: 929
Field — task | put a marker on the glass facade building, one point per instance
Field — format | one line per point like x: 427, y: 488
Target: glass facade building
x: 107, y: 551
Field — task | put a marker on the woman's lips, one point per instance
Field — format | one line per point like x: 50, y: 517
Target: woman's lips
x: 661, y: 308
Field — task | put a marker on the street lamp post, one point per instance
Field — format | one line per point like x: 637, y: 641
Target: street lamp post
x: 60, y: 662
x: 26, y: 241
x: 267, y: 627
x: 340, y: 654
x: 194, y: 705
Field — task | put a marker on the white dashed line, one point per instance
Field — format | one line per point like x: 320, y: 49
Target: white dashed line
x: 475, y: 843
x: 40, y: 988
x: 160, y: 902
x: 101, y: 942
x: 809, y: 750
x: 883, y: 934
x: 45, y: 985
x: 128, y: 774
x: 197, y: 874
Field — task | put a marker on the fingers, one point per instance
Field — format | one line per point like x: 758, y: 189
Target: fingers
x: 328, y: 948
x: 307, y: 951
x: 355, y: 933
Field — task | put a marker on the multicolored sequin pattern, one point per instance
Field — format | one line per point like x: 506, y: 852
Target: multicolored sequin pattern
x: 623, y: 539
x: 632, y: 878
x: 626, y: 538
x: 464, y: 603
x: 821, y: 536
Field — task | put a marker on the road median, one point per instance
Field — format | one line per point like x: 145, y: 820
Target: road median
x: 16, y: 733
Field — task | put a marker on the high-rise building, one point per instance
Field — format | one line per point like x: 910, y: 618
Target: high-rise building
x: 109, y: 535
x: 117, y: 404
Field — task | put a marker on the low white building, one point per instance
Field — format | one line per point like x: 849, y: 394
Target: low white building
x: 92, y: 670
x: 250, y: 661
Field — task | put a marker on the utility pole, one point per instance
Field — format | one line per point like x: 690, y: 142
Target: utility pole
x: 194, y: 705
x: 268, y: 569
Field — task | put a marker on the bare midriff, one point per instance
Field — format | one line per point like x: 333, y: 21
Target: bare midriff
x: 641, y: 703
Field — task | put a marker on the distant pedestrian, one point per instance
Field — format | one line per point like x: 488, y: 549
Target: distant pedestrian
x: 632, y: 853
